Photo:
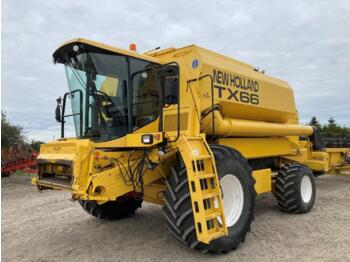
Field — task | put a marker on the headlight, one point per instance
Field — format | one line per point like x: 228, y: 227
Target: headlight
x: 147, y: 139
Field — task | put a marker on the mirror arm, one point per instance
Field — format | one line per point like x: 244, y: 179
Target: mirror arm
x: 63, y: 112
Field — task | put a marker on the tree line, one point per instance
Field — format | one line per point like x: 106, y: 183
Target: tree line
x: 12, y: 136
x: 331, y: 127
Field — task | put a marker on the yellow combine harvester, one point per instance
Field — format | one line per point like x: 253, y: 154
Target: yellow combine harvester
x: 192, y: 130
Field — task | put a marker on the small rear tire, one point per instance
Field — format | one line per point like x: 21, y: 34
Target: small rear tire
x: 295, y: 188
x: 111, y: 210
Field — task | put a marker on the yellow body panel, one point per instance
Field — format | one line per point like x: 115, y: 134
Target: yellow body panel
x: 263, y: 182
x: 154, y: 192
x: 259, y: 148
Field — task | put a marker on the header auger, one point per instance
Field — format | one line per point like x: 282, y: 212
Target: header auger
x: 194, y: 131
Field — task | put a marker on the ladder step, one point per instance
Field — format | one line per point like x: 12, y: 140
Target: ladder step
x: 210, y: 195
x: 202, y: 157
x: 202, y: 176
x: 216, y: 235
x: 212, y: 215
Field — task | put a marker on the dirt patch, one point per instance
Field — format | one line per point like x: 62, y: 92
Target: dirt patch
x: 48, y: 227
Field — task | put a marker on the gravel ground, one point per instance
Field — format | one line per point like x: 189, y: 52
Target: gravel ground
x: 48, y: 227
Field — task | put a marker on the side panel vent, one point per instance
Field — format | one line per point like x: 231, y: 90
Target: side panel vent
x: 170, y: 122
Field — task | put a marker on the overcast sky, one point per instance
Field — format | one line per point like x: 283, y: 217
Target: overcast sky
x: 306, y: 43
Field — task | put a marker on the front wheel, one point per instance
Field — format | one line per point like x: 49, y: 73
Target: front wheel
x: 237, y: 185
x: 112, y: 210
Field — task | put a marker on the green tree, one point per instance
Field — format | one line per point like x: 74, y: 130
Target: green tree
x: 36, y: 145
x: 345, y: 131
x: 333, y: 128
x: 332, y: 125
x: 314, y: 122
x: 11, y: 135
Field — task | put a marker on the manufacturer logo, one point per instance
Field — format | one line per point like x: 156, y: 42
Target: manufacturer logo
x: 236, y: 88
x: 195, y: 63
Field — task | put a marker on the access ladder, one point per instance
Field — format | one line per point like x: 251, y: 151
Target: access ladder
x: 204, y: 188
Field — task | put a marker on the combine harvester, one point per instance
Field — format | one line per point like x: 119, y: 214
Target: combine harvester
x: 194, y: 131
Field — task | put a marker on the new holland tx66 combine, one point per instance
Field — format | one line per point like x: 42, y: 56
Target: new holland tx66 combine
x: 194, y: 131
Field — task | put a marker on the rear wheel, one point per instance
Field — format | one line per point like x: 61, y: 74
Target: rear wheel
x: 295, y: 188
x: 113, y: 209
x: 237, y: 185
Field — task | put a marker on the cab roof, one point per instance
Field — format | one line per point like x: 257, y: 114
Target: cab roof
x: 60, y: 55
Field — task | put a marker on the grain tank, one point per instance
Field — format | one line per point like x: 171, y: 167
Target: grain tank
x: 248, y: 102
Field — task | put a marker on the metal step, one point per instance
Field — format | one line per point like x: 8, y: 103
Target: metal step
x: 216, y: 235
x: 207, y: 206
x: 213, y: 215
x: 210, y: 195
x: 204, y: 176
x: 202, y: 157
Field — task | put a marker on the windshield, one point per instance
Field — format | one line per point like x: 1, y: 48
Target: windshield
x: 104, y: 80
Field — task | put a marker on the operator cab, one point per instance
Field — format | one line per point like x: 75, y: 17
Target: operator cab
x: 112, y: 92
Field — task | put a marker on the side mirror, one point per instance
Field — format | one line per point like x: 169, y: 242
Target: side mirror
x: 171, y: 90
x: 58, y: 113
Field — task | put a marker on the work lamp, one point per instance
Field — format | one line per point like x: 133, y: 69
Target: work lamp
x: 147, y: 139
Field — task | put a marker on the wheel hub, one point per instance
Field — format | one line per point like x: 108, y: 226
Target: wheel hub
x: 233, y: 198
x: 306, y: 189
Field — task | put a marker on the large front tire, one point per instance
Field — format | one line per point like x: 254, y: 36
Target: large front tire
x: 112, y: 210
x: 236, y: 179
